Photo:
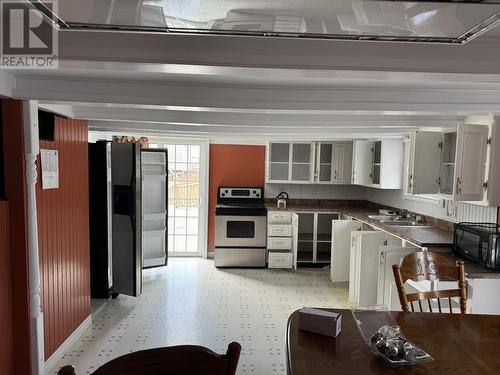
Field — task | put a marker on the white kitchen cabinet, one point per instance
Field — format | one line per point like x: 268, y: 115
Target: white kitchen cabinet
x: 387, y: 164
x: 425, y: 162
x: 362, y: 162
x: 363, y: 267
x: 333, y: 162
x: 387, y: 293
x: 279, y: 239
x: 341, y: 248
x: 458, y: 159
x: 290, y: 162
x: 314, y: 236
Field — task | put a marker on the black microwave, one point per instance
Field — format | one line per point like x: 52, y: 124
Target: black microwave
x: 479, y: 243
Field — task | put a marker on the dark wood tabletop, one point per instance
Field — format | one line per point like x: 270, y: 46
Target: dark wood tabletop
x: 459, y: 344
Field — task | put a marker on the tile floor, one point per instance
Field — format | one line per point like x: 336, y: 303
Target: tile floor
x: 192, y: 302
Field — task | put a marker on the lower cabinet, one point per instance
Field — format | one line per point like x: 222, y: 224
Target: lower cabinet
x: 313, y: 240
x: 279, y: 239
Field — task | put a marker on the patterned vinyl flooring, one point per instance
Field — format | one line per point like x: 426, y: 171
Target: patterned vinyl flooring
x: 192, y: 302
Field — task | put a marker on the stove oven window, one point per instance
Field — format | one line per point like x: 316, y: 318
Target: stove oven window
x: 240, y: 229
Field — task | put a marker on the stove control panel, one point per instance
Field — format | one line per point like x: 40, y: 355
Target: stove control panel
x: 238, y: 193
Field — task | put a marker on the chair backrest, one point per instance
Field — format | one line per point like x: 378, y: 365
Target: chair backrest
x: 183, y: 359
x: 425, y: 265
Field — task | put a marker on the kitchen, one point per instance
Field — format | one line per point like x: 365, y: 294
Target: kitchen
x: 286, y: 162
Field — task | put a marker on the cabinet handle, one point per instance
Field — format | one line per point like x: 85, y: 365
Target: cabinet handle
x: 458, y: 189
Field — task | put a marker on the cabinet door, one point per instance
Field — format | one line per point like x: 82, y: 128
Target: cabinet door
x: 338, y: 160
x: 425, y: 162
x: 295, y: 238
x: 470, y: 162
x: 279, y: 162
x: 340, y: 249
x: 324, y: 162
x: 302, y: 162
x: 362, y: 163
x: 494, y: 169
x: 387, y: 293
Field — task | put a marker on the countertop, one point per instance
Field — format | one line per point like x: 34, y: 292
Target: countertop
x: 420, y: 237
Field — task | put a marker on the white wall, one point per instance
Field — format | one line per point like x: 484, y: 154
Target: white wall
x: 440, y: 208
x: 309, y: 191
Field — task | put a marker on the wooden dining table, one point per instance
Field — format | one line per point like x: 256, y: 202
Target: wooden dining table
x: 459, y: 344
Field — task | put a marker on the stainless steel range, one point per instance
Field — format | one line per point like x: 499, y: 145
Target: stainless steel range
x: 240, y: 228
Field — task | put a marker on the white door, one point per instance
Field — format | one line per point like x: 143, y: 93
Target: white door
x: 425, y: 160
x: 387, y: 293
x: 341, y: 245
x: 362, y: 163
x: 363, y: 273
x: 186, y: 208
x: 471, y: 162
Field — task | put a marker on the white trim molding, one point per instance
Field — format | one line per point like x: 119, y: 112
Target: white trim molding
x: 7, y: 84
x: 67, y: 344
x: 31, y: 146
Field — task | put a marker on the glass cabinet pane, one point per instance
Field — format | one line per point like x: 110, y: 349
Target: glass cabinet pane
x: 376, y: 174
x: 377, y: 152
x: 301, y: 153
x: 449, y: 147
x: 280, y: 152
x: 325, y: 153
x: 279, y: 171
x: 447, y: 177
x: 325, y: 172
x: 301, y: 172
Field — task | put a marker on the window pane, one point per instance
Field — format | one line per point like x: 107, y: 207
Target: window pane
x: 179, y: 244
x: 180, y: 225
x: 194, y: 154
x: 192, y: 244
x: 153, y: 145
x: 181, y: 154
x: 192, y: 225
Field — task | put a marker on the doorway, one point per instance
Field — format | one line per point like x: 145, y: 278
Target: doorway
x: 187, y: 171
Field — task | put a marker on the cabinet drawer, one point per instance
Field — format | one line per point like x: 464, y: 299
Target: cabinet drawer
x: 279, y: 230
x: 280, y: 260
x: 279, y: 243
x: 279, y: 217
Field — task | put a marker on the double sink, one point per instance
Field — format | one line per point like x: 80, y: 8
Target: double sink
x: 398, y: 221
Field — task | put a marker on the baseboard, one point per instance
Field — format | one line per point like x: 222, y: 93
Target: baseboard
x: 67, y: 344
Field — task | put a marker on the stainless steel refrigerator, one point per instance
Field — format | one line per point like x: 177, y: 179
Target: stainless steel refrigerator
x: 116, y: 219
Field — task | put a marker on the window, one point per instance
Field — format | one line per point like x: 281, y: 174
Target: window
x: 2, y: 175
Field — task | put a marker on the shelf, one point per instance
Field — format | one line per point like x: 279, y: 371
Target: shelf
x: 154, y: 216
x: 154, y: 177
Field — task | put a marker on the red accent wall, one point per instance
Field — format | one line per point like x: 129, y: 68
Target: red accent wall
x: 15, y: 189
x: 63, y: 232
x: 6, y: 363
x: 233, y: 165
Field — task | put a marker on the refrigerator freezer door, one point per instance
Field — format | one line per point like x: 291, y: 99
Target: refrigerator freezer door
x: 154, y: 207
x: 127, y: 228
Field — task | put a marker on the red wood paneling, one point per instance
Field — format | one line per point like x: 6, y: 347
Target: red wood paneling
x: 63, y: 233
x: 6, y: 361
x: 233, y: 165
x: 15, y: 188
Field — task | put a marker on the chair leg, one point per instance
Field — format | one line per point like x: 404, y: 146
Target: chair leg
x: 233, y: 356
x: 66, y: 370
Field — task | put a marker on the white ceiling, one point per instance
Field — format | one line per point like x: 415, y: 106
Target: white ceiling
x: 253, y: 89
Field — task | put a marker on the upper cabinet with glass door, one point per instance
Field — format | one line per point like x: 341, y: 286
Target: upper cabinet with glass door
x: 455, y: 164
x: 290, y: 162
x: 333, y: 162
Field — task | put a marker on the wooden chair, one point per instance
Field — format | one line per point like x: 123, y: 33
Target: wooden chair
x: 424, y: 265
x: 183, y: 360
